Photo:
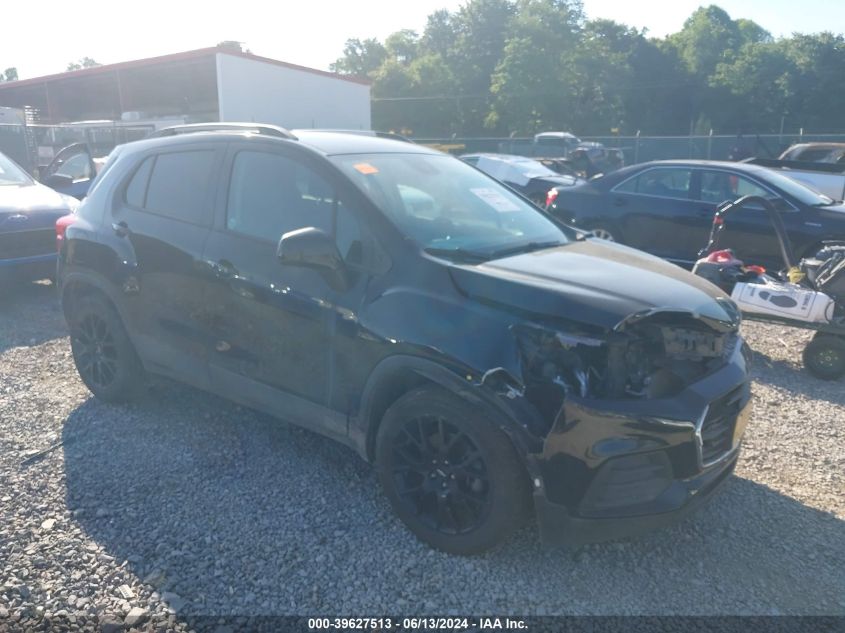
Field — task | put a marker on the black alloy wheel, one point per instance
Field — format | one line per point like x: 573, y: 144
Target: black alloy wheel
x: 450, y: 472
x: 441, y: 476
x: 104, y: 356
x: 95, y: 351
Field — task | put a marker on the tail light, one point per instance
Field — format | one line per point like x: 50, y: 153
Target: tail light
x: 551, y: 196
x: 61, y: 227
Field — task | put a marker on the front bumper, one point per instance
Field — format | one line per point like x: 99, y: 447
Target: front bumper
x: 611, y: 469
x: 559, y: 527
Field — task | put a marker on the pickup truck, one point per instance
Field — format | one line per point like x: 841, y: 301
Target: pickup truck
x: 826, y: 178
x: 585, y: 158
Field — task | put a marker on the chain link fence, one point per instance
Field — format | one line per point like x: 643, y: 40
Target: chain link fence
x: 638, y: 149
x: 34, y: 146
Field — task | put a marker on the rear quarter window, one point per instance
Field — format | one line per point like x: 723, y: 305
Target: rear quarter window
x: 136, y: 191
x: 178, y: 184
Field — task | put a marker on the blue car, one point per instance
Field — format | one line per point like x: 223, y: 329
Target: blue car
x: 666, y: 208
x: 28, y: 214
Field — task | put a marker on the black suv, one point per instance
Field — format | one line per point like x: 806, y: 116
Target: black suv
x: 398, y: 300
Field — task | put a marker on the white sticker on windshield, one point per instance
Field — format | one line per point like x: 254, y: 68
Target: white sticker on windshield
x: 495, y: 199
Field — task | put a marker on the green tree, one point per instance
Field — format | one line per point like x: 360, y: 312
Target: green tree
x: 761, y: 79
x: 819, y: 62
x: 708, y: 37
x: 481, y: 30
x: 532, y: 85
x: 360, y: 57
x: 522, y: 66
x: 10, y: 74
x: 403, y: 46
x: 85, y: 62
x: 440, y: 34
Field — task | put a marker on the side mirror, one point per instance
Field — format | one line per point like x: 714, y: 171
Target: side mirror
x: 313, y: 248
x: 58, y: 181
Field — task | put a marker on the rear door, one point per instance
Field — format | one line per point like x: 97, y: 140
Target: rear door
x: 655, y: 212
x: 163, y: 213
x: 748, y: 231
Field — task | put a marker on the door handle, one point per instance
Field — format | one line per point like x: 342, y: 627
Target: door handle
x: 706, y: 213
x: 121, y: 229
x: 18, y: 217
x: 619, y: 202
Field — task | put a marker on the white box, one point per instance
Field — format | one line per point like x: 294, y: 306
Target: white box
x: 784, y: 300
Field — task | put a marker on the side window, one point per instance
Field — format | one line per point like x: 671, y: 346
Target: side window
x: 136, y: 191
x: 718, y: 186
x: 348, y: 234
x: 661, y: 183
x: 178, y: 184
x: 628, y: 186
x: 271, y: 194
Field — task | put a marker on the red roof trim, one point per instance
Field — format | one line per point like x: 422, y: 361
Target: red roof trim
x: 163, y: 59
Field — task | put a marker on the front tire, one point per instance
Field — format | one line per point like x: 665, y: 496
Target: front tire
x: 604, y: 232
x: 824, y: 357
x: 449, y: 473
x: 104, y: 356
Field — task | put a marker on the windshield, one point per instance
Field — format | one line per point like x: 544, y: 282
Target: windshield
x: 449, y: 208
x: 11, y: 174
x: 799, y: 191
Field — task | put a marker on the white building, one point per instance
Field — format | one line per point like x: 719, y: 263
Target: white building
x: 210, y: 84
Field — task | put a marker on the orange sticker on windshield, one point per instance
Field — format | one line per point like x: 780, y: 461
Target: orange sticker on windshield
x: 365, y: 168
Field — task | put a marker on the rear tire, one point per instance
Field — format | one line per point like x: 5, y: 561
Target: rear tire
x: 104, y: 356
x: 449, y: 473
x: 824, y: 357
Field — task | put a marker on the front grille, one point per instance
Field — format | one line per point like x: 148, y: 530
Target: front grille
x: 27, y: 243
x: 718, y: 426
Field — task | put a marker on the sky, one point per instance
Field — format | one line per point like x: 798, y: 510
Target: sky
x: 310, y: 33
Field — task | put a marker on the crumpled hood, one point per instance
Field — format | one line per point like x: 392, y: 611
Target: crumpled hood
x: 593, y: 282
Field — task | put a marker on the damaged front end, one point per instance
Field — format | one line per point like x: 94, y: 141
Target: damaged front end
x: 647, y: 356
x: 637, y: 422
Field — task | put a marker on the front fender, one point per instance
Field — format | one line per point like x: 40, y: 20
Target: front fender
x: 511, y: 412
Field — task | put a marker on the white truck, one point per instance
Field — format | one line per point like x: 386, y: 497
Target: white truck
x: 826, y: 178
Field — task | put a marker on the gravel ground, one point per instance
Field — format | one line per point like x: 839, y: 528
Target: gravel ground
x: 186, y: 504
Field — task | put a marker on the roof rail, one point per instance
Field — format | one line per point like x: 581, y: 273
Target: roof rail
x: 254, y: 128
x: 376, y: 133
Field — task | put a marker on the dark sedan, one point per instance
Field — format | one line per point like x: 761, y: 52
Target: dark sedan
x: 666, y: 208
x: 28, y: 214
x: 527, y: 176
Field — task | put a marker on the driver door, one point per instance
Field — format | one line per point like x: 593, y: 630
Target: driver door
x: 71, y: 171
x: 273, y: 325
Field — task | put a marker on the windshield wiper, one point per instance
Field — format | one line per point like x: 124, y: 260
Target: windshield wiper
x: 525, y: 248
x: 458, y: 254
